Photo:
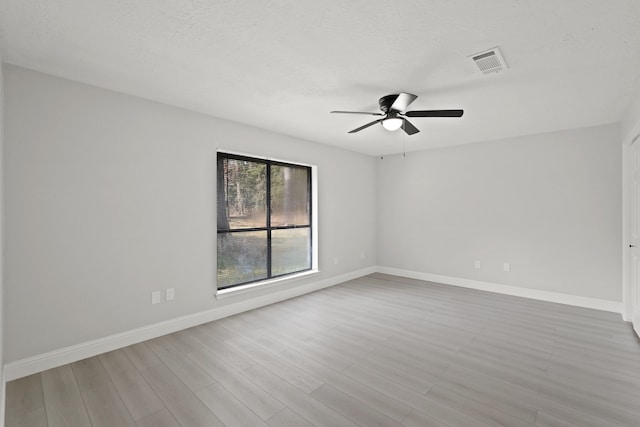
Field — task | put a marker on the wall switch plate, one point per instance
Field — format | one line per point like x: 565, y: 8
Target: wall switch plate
x: 335, y: 260
x: 478, y: 265
x: 155, y: 297
x: 506, y: 266
x: 362, y: 255
x: 169, y: 294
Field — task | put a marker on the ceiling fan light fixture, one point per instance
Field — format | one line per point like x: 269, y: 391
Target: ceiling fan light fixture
x: 392, y: 123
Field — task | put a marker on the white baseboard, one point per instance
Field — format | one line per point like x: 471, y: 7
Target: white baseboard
x: 42, y: 362
x: 586, y: 302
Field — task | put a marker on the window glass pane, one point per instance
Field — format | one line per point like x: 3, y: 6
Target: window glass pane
x: 290, y: 250
x: 242, y: 194
x: 264, y: 219
x: 289, y: 195
x: 242, y: 257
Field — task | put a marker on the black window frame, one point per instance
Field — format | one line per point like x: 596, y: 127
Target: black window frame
x: 268, y: 227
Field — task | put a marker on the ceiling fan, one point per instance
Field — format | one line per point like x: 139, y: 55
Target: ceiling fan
x: 394, y: 115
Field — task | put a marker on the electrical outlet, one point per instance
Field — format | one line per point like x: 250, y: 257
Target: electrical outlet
x: 169, y: 294
x: 478, y: 265
x: 506, y: 267
x: 155, y: 297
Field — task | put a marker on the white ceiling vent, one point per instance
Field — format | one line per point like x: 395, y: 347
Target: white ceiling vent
x: 490, y: 61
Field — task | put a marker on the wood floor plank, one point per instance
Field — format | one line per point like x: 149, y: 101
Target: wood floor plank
x: 105, y: 407
x: 395, y: 390
x: 351, y: 408
x: 227, y: 408
x: 604, y: 390
x: 572, y: 415
x: 258, y: 400
x: 90, y: 373
x: 25, y: 403
x: 183, y: 341
x: 495, y: 348
x: 421, y: 383
x: 217, y: 331
x: 162, y: 418
x: 384, y: 404
x: 450, y: 416
x: 327, y: 358
x: 288, y: 418
x: 419, y: 419
x: 235, y: 358
x: 63, y: 401
x: 502, y: 369
x: 291, y: 374
x: 477, y: 409
x: 100, y: 396
x: 497, y: 394
x: 546, y: 420
x: 188, y: 372
x: 187, y: 409
x: 136, y: 394
x: 141, y: 356
x: 592, y: 406
x: 309, y: 408
x: 592, y: 379
x: 250, y: 348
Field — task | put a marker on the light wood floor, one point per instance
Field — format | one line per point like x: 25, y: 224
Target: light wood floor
x: 376, y: 351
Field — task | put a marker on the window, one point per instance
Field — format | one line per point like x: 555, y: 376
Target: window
x: 264, y: 219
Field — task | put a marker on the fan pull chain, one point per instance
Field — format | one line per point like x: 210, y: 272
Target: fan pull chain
x: 404, y: 145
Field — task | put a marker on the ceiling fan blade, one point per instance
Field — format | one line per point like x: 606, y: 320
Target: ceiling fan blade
x: 434, y: 113
x: 366, y: 126
x: 358, y: 112
x: 408, y: 127
x: 402, y: 101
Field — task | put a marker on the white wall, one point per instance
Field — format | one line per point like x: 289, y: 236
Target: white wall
x: 109, y: 197
x: 548, y: 204
x: 2, y: 382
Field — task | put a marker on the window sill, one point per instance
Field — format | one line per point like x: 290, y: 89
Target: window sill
x: 239, y: 290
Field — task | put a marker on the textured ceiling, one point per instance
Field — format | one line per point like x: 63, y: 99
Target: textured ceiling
x: 283, y: 65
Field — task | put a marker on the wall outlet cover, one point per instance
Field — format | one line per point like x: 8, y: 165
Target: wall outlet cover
x: 155, y: 297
